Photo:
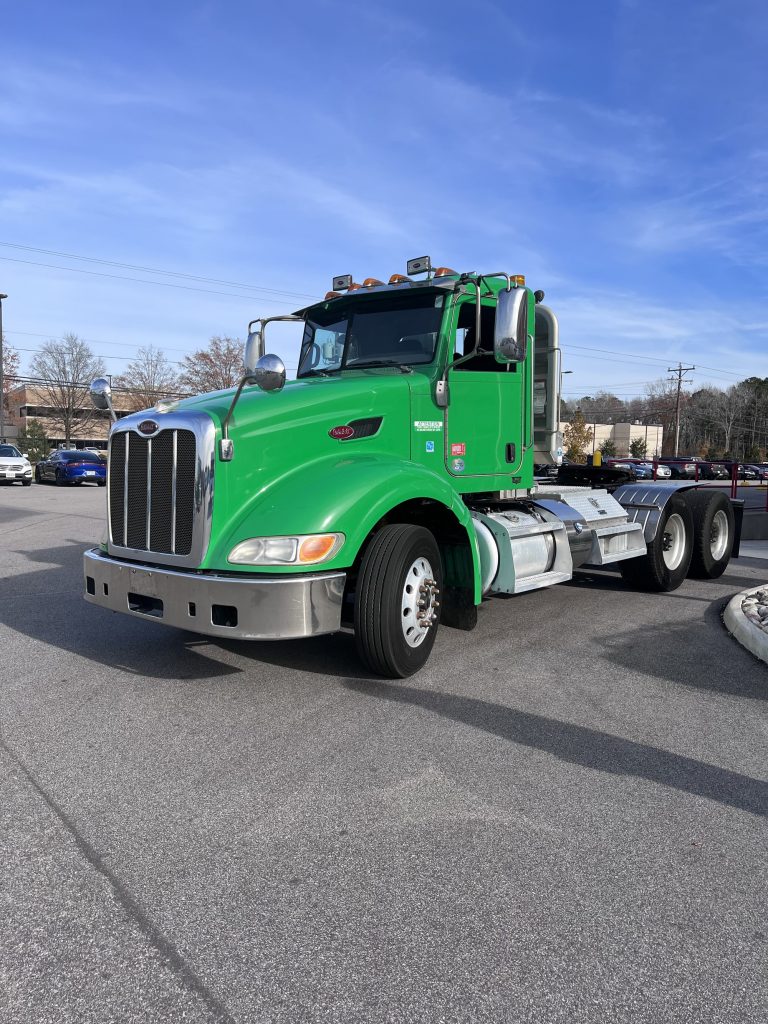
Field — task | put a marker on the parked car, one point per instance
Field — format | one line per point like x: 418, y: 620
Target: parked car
x: 14, y: 466
x: 692, y: 467
x: 69, y: 466
x: 713, y: 470
x: 748, y: 473
x: 642, y: 469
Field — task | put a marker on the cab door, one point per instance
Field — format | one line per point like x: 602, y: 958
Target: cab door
x: 483, y: 424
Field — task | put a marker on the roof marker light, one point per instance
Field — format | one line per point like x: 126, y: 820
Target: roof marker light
x: 400, y: 279
x: 353, y: 287
x: 372, y: 282
x: 445, y: 272
x: 518, y: 279
x: 333, y: 295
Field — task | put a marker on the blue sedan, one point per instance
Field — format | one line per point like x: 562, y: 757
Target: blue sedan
x: 72, y: 467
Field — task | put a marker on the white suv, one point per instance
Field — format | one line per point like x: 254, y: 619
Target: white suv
x: 14, y: 466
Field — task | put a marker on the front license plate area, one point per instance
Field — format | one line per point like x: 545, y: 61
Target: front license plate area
x: 145, y: 605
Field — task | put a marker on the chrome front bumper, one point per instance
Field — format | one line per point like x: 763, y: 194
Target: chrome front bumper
x: 249, y: 608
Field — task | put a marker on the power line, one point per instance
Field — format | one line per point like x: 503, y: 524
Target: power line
x: 632, y: 360
x: 157, y: 284
x: 156, y: 270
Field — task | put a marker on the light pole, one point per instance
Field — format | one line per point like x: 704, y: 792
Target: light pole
x: 2, y: 378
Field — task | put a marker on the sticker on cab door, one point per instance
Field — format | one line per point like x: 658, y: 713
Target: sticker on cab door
x: 459, y: 449
x: 457, y: 465
x: 430, y: 446
x: 422, y: 425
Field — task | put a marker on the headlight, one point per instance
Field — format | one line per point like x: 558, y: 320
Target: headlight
x: 302, y: 550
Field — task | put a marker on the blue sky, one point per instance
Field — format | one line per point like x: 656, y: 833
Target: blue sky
x: 615, y: 152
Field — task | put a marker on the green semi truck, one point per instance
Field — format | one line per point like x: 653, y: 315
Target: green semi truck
x: 389, y: 489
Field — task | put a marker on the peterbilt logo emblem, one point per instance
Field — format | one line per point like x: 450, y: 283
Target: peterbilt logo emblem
x: 592, y: 501
x: 147, y: 427
x: 339, y: 433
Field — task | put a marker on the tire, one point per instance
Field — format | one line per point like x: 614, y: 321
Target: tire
x: 401, y: 567
x: 102, y: 483
x: 714, y: 529
x: 26, y: 483
x: 668, y: 557
x: 38, y: 477
x: 60, y: 481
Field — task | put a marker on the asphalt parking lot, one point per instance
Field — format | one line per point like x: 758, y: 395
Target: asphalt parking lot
x: 562, y: 819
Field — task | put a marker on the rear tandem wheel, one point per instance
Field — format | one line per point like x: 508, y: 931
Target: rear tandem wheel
x: 665, y: 564
x: 714, y: 526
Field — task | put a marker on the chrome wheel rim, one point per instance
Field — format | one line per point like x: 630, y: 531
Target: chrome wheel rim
x: 718, y: 541
x: 419, y: 602
x: 673, y: 543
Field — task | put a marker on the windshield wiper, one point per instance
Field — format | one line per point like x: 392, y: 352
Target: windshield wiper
x: 316, y: 373
x: 403, y: 367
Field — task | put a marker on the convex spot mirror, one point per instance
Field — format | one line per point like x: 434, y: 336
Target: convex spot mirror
x: 510, y: 340
x: 268, y: 373
x: 101, y: 393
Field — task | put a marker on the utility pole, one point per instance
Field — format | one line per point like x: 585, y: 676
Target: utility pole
x: 2, y: 378
x: 680, y: 371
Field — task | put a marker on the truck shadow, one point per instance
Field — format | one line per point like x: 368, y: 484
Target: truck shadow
x: 607, y: 579
x: 681, y: 653
x: 585, y: 747
x: 333, y: 655
x: 47, y: 605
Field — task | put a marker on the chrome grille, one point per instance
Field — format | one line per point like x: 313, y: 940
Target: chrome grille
x: 152, y: 490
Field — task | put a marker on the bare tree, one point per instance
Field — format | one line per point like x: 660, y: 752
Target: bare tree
x: 215, y: 368
x: 10, y: 371
x: 150, y: 376
x: 65, y: 369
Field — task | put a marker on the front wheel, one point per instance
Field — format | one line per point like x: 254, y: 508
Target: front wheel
x: 397, y: 610
x: 668, y: 557
x: 60, y: 481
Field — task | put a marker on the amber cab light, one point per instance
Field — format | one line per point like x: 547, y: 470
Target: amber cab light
x: 354, y: 287
x: 445, y: 272
x: 400, y: 279
x: 519, y: 279
x: 371, y: 282
x: 333, y: 295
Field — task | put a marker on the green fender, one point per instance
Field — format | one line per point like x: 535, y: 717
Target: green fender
x: 348, y: 495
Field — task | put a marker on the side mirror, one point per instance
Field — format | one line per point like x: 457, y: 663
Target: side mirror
x: 268, y: 373
x: 252, y: 352
x: 510, y: 339
x: 101, y: 396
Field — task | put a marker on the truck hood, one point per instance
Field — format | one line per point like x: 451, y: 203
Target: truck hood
x: 280, y: 436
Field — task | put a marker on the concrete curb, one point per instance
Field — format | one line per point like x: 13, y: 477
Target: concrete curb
x: 743, y: 629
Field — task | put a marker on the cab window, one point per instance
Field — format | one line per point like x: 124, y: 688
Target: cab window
x: 484, y: 362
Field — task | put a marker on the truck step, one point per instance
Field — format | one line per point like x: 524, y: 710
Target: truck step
x: 541, y: 580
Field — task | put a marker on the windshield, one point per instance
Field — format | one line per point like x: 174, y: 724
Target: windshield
x: 7, y: 450
x: 389, y: 330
